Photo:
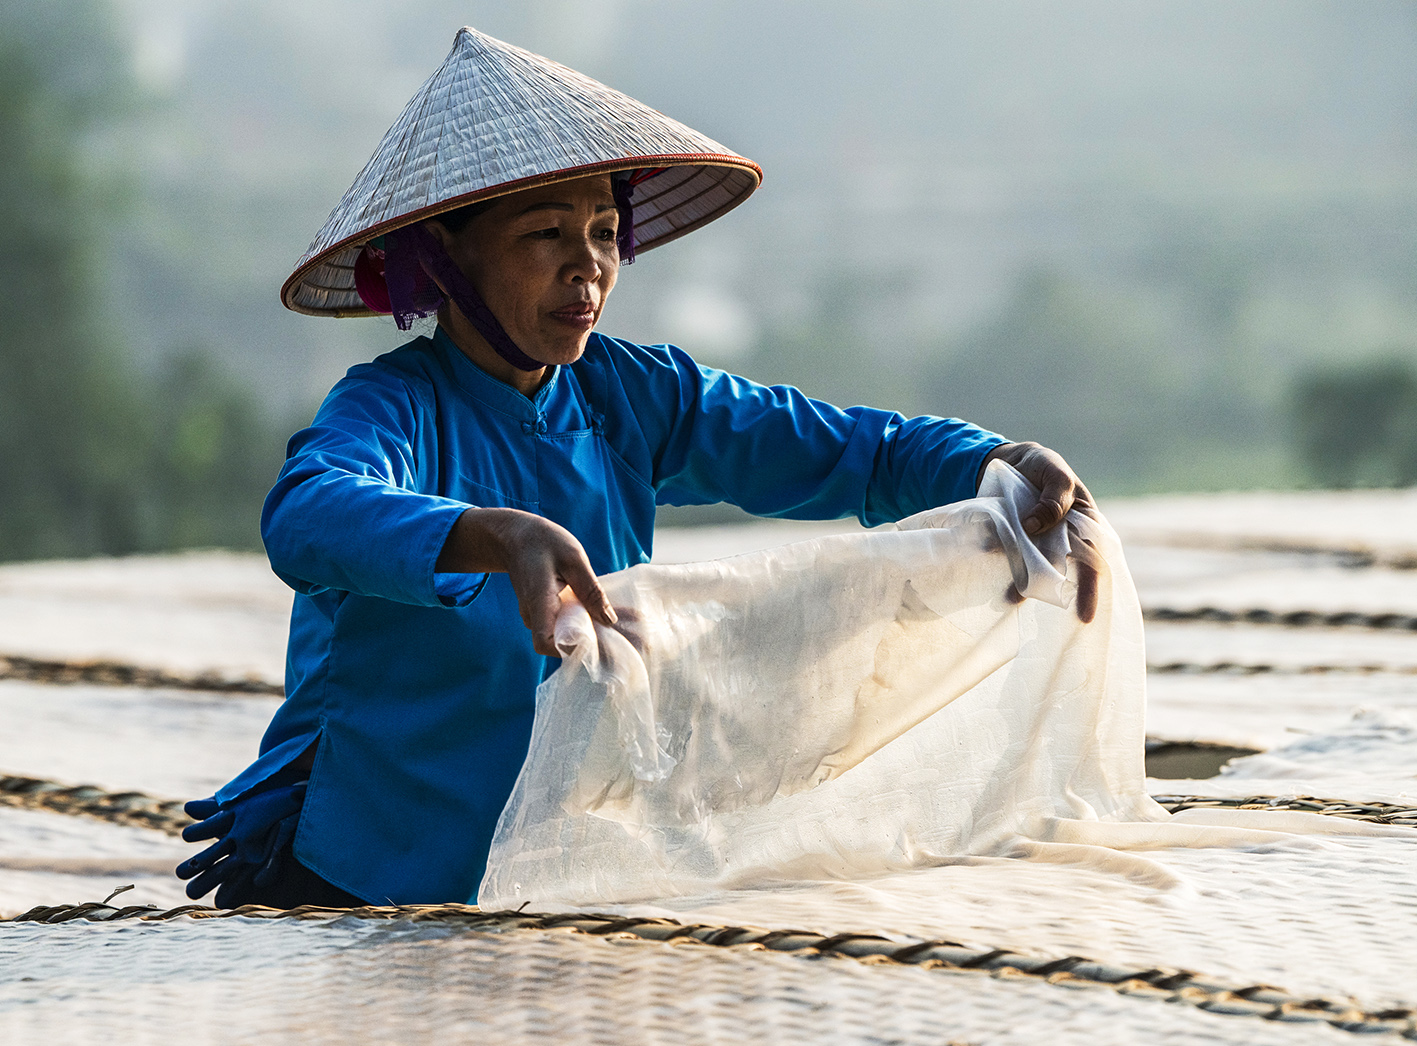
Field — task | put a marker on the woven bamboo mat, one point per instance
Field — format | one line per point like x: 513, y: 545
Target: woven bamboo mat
x: 336, y: 978
x: 1259, y: 647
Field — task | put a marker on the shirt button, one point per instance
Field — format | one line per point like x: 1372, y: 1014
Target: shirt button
x: 541, y: 426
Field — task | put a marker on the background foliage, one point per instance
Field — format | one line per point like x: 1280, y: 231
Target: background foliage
x: 96, y: 454
x: 1176, y: 240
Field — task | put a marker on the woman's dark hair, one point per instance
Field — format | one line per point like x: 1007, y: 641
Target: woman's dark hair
x: 454, y: 221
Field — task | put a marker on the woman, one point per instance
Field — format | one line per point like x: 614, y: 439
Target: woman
x: 466, y: 479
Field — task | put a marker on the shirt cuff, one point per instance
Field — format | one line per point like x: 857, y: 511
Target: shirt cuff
x: 458, y: 590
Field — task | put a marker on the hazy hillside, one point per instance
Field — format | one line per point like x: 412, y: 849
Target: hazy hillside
x: 1122, y: 227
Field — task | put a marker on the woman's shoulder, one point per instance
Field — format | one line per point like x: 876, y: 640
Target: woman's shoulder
x: 398, y: 383
x: 414, y: 360
x: 410, y: 368
x: 634, y: 363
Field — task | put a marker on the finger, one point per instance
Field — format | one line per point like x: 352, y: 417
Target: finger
x: 1089, y: 568
x: 582, y: 580
x: 201, y: 809
x: 630, y: 625
x: 1083, y: 502
x: 539, y: 587
x: 539, y: 613
x: 235, y: 888
x: 1053, y: 503
x: 1087, y: 592
x: 539, y: 602
x: 989, y: 540
x: 210, y: 879
x: 201, y: 862
x: 214, y: 827
x: 268, y: 871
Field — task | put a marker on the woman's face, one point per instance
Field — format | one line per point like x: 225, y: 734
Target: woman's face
x: 544, y: 260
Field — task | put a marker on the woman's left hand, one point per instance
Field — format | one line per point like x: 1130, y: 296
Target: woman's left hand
x: 1060, y: 491
x: 1058, y: 485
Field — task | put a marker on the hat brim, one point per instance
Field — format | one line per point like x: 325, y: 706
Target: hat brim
x: 692, y: 191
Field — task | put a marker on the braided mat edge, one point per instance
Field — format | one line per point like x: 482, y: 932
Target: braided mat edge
x: 1155, y: 983
x: 166, y: 815
x: 115, y: 673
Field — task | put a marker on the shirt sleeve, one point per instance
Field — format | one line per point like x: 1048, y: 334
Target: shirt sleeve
x: 776, y: 452
x: 349, y: 511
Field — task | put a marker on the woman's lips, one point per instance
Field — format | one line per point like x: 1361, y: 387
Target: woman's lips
x: 581, y: 315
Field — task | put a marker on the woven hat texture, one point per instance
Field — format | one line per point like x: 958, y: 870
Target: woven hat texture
x: 495, y: 119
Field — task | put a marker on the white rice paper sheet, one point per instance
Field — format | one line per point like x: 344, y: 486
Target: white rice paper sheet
x: 851, y: 707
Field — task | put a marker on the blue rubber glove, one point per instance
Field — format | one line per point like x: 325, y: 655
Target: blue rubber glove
x: 251, y: 835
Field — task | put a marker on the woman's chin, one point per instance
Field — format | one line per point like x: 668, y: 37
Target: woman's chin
x: 560, y: 351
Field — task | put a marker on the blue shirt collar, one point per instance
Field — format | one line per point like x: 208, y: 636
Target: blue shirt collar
x: 491, y: 391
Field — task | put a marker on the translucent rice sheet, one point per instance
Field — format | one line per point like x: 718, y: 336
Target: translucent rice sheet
x: 845, y: 708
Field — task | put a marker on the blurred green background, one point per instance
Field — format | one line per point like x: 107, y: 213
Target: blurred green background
x: 1175, y: 240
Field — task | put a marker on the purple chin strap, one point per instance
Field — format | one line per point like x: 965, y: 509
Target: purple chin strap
x: 413, y: 257
x: 412, y: 263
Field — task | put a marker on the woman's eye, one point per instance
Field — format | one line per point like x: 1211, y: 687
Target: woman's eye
x: 546, y: 234
x: 607, y: 235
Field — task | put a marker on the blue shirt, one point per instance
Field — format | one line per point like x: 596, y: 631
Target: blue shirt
x: 419, y: 687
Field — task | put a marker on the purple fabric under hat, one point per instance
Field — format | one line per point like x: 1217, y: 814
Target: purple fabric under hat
x: 403, y: 276
x: 415, y: 259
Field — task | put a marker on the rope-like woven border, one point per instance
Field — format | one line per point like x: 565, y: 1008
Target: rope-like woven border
x: 1159, y: 983
x: 1353, y: 555
x: 1260, y: 668
x: 166, y: 815
x: 127, y: 808
x: 1286, y: 619
x: 114, y: 673
x: 1378, y: 813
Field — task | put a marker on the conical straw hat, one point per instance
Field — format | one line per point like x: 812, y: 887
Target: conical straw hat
x: 496, y: 119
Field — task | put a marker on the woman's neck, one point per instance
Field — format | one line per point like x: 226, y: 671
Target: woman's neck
x: 474, y: 346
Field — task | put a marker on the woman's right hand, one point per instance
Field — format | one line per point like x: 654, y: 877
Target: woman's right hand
x: 539, y: 557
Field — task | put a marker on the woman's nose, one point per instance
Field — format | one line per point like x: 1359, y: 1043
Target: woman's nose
x: 584, y: 265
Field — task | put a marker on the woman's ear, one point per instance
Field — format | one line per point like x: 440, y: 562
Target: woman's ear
x: 440, y: 233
